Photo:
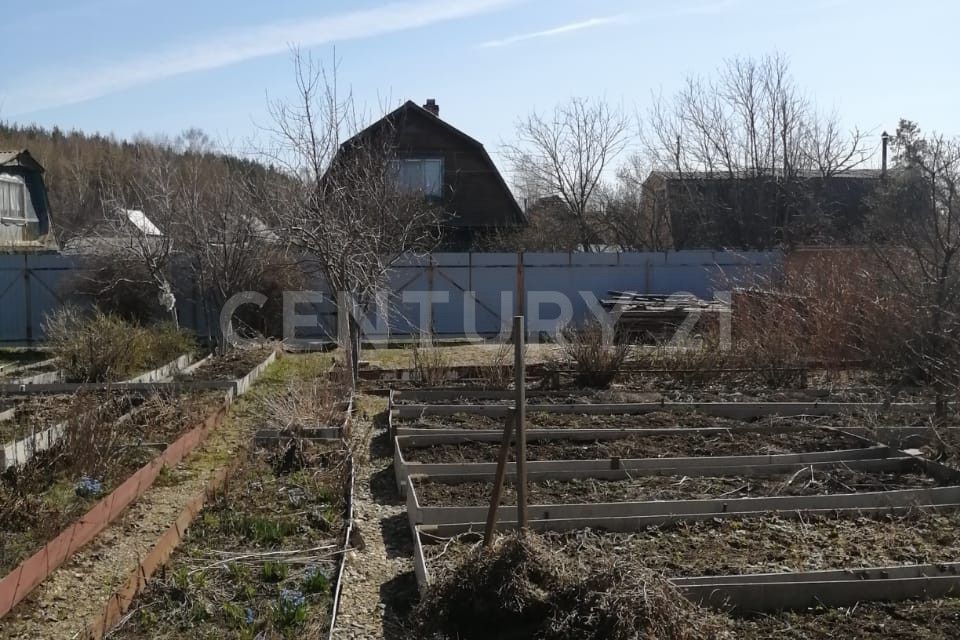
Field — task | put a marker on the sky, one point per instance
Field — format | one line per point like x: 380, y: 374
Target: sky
x: 129, y: 67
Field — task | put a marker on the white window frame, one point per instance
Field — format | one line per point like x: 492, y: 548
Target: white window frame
x: 24, y: 217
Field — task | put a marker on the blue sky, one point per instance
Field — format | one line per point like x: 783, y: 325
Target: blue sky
x: 141, y: 66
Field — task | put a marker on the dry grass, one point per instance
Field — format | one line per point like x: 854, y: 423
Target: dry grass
x: 520, y: 589
x: 304, y: 403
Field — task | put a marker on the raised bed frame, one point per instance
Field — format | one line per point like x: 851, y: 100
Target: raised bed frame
x: 337, y: 432
x: 746, y: 593
x: 604, y: 466
x: 148, y: 382
x: 20, y: 451
x: 767, y: 592
x: 719, y: 409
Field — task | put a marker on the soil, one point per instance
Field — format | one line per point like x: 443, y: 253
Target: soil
x: 751, y: 545
x: 38, y: 412
x: 235, y: 364
x: 655, y: 419
x: 645, y: 446
x: 919, y: 620
x: 658, y: 387
x: 808, y: 483
x: 40, y: 499
x: 277, y: 530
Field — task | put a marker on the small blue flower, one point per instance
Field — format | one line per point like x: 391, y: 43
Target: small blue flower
x: 88, y: 487
x: 249, y: 616
x: 292, y: 598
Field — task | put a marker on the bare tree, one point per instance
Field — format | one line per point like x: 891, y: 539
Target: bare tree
x: 341, y: 204
x: 567, y: 153
x: 621, y: 218
x: 750, y: 124
x: 226, y: 247
x: 915, y: 233
x: 132, y: 245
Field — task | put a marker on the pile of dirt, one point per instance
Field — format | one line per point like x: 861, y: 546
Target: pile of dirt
x: 520, y: 589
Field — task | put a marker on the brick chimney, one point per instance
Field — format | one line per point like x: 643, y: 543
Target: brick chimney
x: 432, y: 106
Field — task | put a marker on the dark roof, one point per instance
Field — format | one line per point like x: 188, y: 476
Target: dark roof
x: 862, y: 174
x: 410, y: 106
x: 19, y: 158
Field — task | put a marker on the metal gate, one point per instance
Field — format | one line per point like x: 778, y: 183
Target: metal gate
x: 30, y: 288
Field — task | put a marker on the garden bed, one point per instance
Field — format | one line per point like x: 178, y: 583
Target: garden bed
x: 259, y: 559
x: 806, y: 482
x: 99, y: 450
x: 727, y: 443
x: 754, y: 545
x: 233, y: 365
x: 937, y: 619
x: 751, y: 548
x: 33, y: 414
x: 654, y: 419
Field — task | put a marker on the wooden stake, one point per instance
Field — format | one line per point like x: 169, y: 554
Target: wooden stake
x: 498, y: 480
x: 519, y: 341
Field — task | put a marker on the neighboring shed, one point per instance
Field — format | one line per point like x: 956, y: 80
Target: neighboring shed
x: 450, y: 167
x: 749, y: 210
x: 24, y: 207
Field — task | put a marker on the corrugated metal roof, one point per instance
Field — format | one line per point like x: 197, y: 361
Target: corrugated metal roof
x: 140, y: 220
x: 7, y: 156
x: 19, y: 158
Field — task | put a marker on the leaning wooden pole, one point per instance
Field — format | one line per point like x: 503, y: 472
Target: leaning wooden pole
x: 498, y: 481
x: 519, y: 371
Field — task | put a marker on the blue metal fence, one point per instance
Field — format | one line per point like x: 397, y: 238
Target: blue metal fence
x: 470, y: 292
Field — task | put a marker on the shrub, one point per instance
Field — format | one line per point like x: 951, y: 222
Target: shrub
x: 499, y: 374
x: 101, y: 347
x: 596, y: 361
x: 430, y: 364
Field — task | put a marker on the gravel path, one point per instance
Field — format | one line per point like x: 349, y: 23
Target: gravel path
x: 379, y: 584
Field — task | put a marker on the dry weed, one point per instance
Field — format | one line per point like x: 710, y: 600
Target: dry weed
x: 430, y: 364
x: 596, y: 362
x: 519, y: 588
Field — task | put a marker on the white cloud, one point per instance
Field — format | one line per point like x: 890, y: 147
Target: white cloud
x: 237, y: 46
x: 711, y: 7
x: 549, y: 33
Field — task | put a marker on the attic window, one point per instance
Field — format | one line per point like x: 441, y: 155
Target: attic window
x: 421, y: 174
x: 13, y: 198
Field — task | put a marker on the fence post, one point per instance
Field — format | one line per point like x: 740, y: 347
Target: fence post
x: 520, y: 286
x: 519, y: 341
x: 28, y: 299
